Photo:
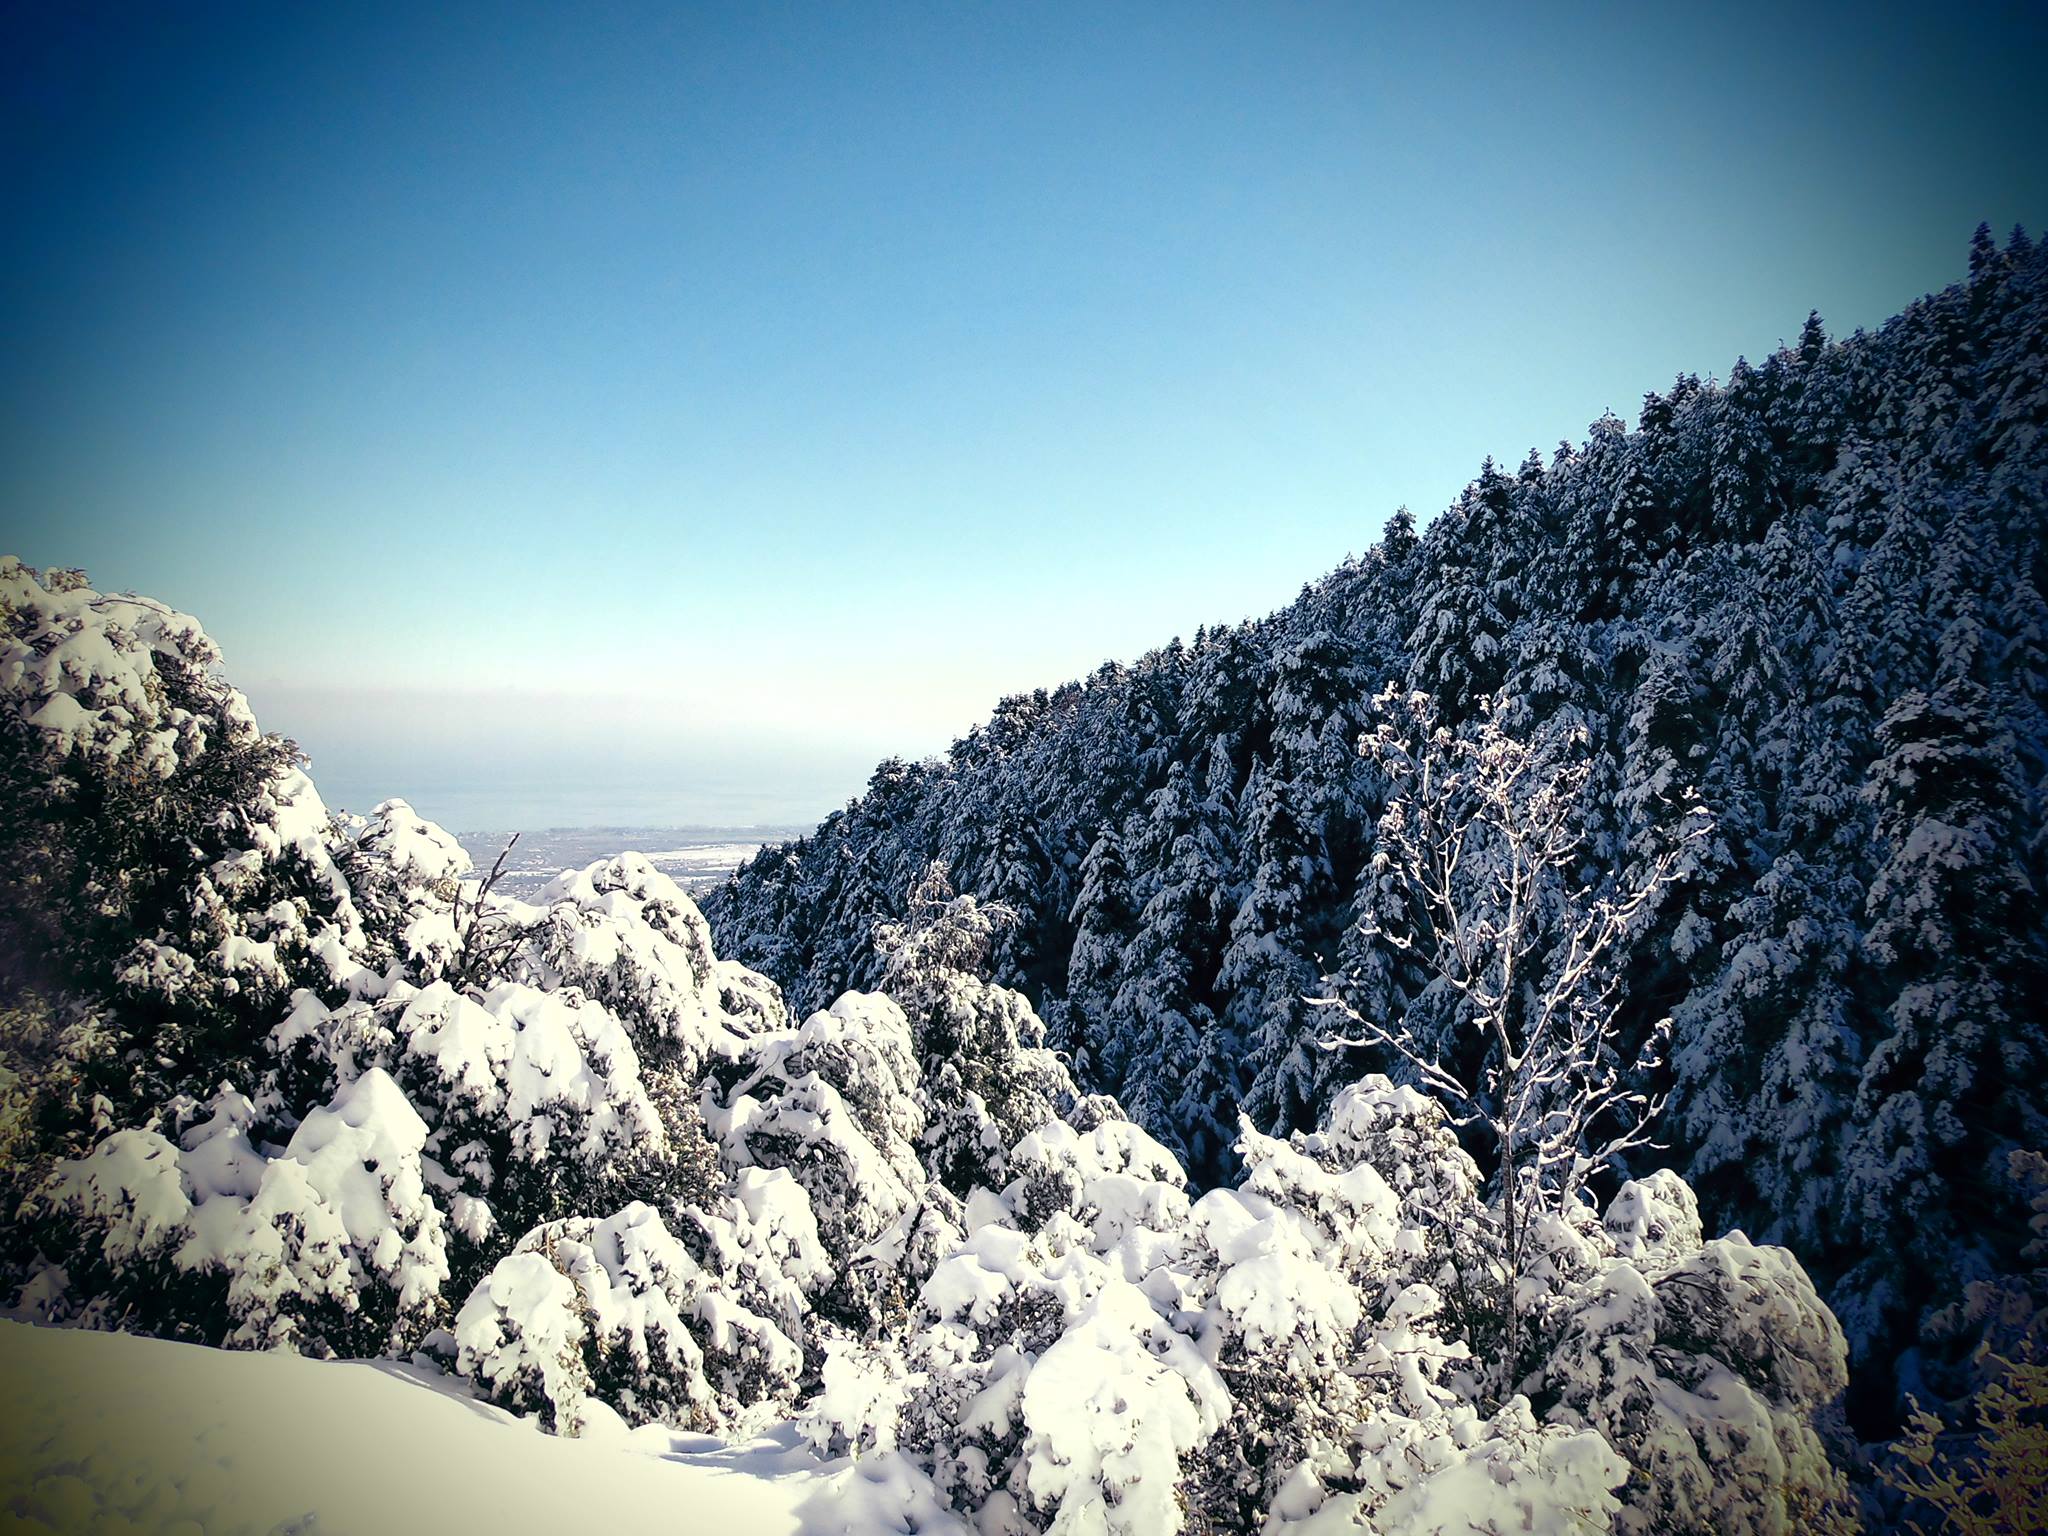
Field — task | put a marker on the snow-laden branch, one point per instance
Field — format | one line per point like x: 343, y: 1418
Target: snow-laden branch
x: 1484, y: 832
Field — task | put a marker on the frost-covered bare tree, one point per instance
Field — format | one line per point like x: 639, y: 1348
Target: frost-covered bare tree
x: 1483, y: 834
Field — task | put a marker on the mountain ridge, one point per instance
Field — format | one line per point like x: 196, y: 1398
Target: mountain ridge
x: 1795, y: 591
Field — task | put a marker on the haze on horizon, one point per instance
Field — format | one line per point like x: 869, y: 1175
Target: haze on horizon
x: 661, y: 414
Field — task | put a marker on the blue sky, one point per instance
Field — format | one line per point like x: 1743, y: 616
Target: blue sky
x: 677, y: 408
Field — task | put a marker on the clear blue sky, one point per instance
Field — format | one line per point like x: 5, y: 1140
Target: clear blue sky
x: 694, y: 403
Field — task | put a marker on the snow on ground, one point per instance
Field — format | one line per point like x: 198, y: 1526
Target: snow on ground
x: 111, y: 1432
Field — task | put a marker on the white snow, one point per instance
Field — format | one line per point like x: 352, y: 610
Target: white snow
x: 80, y: 667
x: 676, y: 1346
x: 112, y: 1432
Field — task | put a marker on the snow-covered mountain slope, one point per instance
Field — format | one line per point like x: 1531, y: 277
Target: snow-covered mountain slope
x: 112, y: 1432
x: 1809, y: 593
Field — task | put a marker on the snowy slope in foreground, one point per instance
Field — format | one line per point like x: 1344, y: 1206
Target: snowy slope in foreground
x: 112, y: 1432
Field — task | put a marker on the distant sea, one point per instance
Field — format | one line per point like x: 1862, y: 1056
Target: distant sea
x: 695, y: 837
x: 575, y: 803
x: 694, y: 857
x: 695, y: 826
x: 476, y: 763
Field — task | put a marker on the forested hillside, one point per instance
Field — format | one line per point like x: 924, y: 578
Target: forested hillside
x: 280, y: 1080
x: 1809, y: 594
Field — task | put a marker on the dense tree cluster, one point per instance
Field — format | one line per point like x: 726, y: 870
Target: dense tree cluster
x: 274, y: 1078
x: 1808, y: 598
x: 598, y: 1172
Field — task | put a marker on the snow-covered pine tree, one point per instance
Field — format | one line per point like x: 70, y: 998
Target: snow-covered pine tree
x: 1163, y: 1005
x: 1102, y: 919
x: 987, y: 1077
x: 1268, y: 972
x: 167, y: 877
x: 1944, y: 1094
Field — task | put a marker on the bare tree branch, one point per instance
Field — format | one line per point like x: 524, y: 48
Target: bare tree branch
x: 1485, y: 832
x: 486, y: 937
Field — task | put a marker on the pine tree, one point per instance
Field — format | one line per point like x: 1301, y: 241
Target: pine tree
x: 1103, y: 924
x: 166, y: 874
x: 1269, y: 972
x: 1162, y: 1007
x: 1940, y: 1094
